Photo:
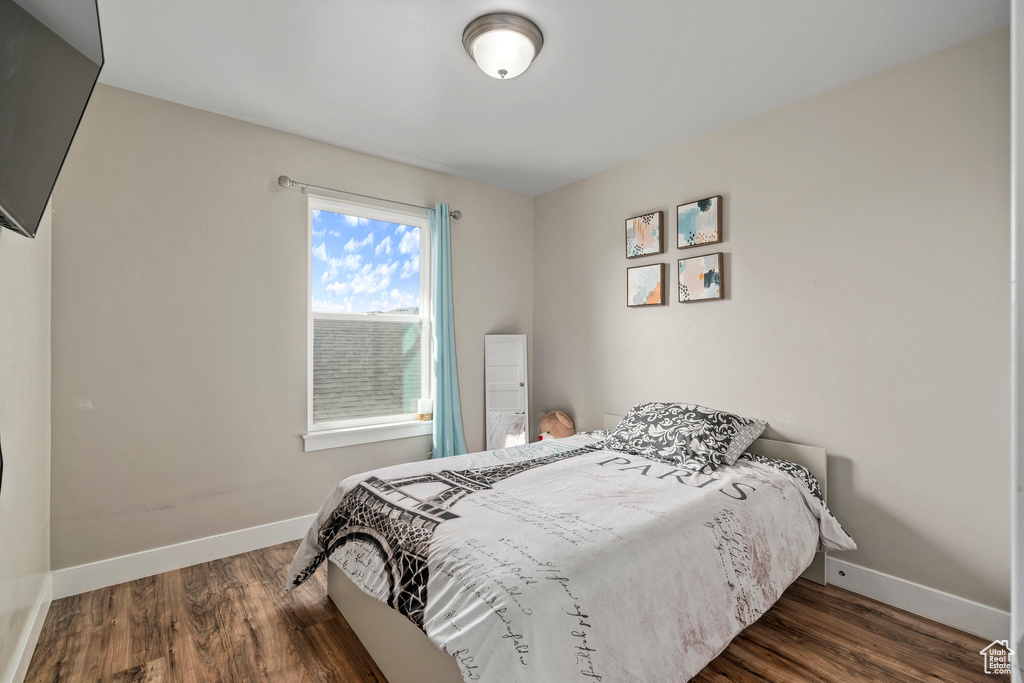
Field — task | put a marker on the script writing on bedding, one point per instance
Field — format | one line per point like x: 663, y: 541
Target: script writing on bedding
x: 564, y: 561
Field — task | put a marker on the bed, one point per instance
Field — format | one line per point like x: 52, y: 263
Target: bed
x: 565, y: 561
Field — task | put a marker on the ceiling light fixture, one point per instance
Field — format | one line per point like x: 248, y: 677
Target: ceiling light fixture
x: 503, y: 45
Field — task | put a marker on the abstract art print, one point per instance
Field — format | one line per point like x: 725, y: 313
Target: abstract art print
x: 700, y: 278
x: 699, y: 222
x: 644, y: 235
x: 645, y: 285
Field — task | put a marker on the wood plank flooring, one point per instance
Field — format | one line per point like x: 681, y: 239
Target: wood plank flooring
x: 230, y: 620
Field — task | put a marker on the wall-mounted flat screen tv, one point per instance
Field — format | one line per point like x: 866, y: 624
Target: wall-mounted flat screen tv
x: 50, y: 56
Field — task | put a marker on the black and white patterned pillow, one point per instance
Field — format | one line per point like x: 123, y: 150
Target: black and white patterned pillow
x: 670, y: 431
x: 799, y: 472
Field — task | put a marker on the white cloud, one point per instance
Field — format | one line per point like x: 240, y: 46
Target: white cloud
x: 369, y: 280
x: 410, y: 243
x: 335, y: 265
x: 318, y: 233
x: 401, y: 228
x: 353, y: 221
x: 410, y: 267
x: 385, y: 245
x: 352, y: 245
x: 335, y: 233
x: 332, y: 307
x: 390, y: 300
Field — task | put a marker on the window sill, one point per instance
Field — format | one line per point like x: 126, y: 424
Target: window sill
x: 353, y: 436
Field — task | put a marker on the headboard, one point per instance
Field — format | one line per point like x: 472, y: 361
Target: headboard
x: 612, y: 421
x: 813, y: 458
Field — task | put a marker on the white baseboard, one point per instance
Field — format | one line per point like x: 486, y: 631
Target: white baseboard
x: 981, y: 620
x: 30, y: 636
x: 88, y: 577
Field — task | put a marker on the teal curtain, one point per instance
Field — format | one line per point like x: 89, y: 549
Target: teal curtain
x: 448, y: 436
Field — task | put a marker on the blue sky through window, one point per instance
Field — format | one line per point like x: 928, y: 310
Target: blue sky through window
x: 362, y: 265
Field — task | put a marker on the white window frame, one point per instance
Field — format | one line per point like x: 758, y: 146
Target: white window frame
x: 364, y: 430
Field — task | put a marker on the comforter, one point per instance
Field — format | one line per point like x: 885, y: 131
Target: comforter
x: 560, y: 561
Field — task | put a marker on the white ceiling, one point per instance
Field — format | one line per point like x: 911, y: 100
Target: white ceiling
x: 615, y: 80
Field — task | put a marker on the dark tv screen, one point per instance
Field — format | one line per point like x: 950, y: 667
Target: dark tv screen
x: 50, y: 56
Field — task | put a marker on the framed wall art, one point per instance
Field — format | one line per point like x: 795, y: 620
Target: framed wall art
x: 645, y: 235
x: 699, y: 223
x: 701, y: 278
x: 645, y: 285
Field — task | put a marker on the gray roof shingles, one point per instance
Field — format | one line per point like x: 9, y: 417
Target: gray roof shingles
x: 364, y: 368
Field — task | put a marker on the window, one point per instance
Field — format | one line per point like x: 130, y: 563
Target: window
x: 369, y: 318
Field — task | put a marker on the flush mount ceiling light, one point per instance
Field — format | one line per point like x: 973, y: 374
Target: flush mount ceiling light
x: 503, y: 45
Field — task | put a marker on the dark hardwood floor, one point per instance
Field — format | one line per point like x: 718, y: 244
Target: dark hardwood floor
x: 230, y: 620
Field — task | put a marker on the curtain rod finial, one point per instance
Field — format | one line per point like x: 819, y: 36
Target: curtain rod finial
x: 456, y: 214
x: 285, y: 181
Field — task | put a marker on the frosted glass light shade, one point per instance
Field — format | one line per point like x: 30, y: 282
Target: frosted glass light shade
x: 503, y: 54
x: 503, y: 45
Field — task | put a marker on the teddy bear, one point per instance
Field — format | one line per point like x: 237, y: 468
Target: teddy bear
x: 554, y: 425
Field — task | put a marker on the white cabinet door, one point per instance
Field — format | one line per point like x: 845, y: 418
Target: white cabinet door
x: 505, y: 390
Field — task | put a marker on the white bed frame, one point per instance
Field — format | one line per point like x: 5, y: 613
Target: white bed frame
x: 403, y: 652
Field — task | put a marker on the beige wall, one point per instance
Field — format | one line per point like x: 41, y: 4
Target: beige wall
x: 24, y: 432
x: 179, y: 299
x: 867, y: 262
